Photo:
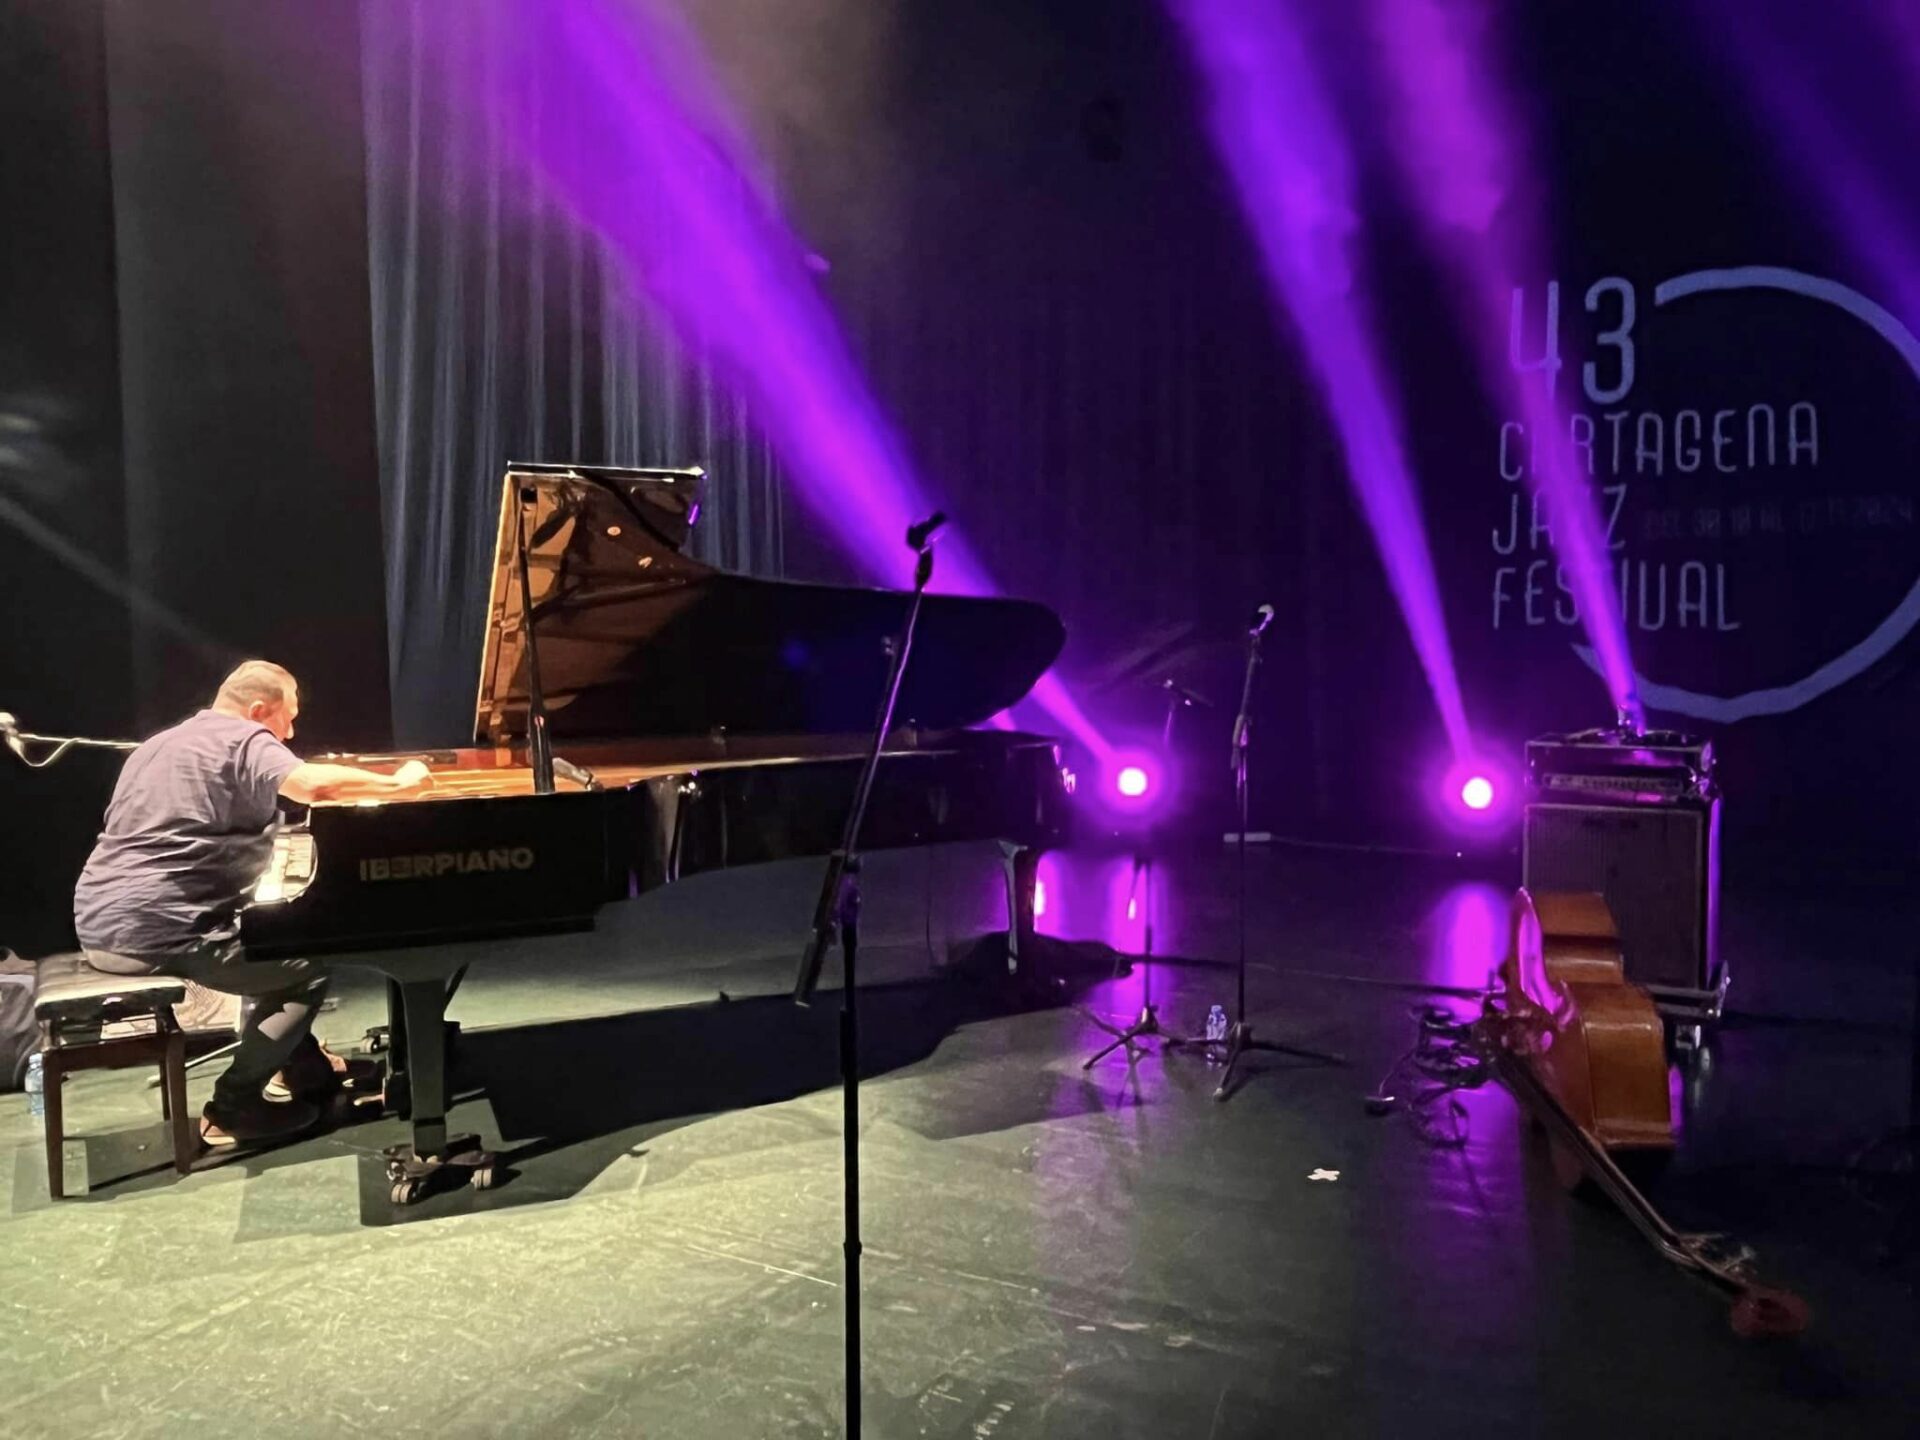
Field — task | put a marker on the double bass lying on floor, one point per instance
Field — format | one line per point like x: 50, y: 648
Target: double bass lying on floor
x: 1585, y: 1051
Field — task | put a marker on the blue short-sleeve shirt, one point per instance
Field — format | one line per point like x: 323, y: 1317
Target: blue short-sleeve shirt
x: 188, y: 833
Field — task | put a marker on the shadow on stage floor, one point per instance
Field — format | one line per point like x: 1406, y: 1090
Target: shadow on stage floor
x: 569, y: 1098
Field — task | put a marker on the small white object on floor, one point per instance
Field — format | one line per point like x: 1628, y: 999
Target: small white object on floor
x: 1324, y: 1175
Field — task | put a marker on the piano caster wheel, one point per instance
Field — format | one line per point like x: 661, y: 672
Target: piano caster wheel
x: 411, y: 1178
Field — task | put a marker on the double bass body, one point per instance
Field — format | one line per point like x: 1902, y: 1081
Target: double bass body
x: 1591, y: 1039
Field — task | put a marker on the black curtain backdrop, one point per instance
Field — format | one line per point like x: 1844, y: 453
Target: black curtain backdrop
x: 188, y: 472
x: 251, y: 475
x: 271, y: 335
x: 65, y: 657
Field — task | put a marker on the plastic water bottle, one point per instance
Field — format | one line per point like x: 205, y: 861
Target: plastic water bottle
x: 36, y: 1087
x: 1216, y: 1033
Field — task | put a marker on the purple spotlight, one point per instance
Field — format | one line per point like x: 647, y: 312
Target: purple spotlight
x: 1473, y: 792
x: 1133, y: 783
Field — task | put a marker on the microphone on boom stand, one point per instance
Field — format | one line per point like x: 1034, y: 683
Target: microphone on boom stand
x: 1240, y: 1037
x: 1256, y: 627
x: 920, y: 536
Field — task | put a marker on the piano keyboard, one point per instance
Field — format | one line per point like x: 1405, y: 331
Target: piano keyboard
x: 290, y: 871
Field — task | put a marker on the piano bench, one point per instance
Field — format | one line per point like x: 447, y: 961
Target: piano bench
x: 72, y: 1002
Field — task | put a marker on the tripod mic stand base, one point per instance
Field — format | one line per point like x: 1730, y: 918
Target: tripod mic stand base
x: 1129, y: 1036
x: 1240, y: 1039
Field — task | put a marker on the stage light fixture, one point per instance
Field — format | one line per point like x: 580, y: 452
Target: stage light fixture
x: 1473, y: 795
x: 1134, y: 785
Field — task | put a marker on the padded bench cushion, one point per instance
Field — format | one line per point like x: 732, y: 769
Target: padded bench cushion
x: 71, y: 991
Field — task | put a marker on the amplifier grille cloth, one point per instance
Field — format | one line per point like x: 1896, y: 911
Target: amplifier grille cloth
x: 1650, y: 862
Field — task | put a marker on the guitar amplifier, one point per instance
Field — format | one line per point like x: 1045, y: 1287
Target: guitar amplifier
x: 1636, y: 817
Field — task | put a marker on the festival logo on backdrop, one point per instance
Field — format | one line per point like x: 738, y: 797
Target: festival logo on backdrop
x: 1749, y: 439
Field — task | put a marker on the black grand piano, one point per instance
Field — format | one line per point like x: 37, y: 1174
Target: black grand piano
x: 704, y: 720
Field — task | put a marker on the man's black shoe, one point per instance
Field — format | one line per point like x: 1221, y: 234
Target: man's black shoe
x: 313, y: 1072
x: 223, y: 1125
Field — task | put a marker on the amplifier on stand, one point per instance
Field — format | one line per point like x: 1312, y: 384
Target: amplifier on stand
x: 1635, y: 816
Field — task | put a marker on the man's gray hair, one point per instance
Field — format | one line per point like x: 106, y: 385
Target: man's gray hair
x: 252, y: 680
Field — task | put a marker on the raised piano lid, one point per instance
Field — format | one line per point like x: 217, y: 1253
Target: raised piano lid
x: 637, y: 638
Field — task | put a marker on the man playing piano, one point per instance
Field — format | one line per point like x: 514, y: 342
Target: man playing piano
x: 188, y: 834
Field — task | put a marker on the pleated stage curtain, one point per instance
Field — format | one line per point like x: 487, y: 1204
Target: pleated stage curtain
x: 503, y: 333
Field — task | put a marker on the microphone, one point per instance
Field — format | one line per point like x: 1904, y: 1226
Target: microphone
x: 1184, y: 695
x: 920, y: 536
x: 578, y: 774
x: 1262, y: 618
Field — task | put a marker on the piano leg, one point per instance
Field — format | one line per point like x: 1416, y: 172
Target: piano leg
x: 419, y: 1058
x: 1020, y: 864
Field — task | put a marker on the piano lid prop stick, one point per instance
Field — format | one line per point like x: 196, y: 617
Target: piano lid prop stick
x: 539, y: 743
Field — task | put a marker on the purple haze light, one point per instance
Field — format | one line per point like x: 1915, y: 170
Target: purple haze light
x: 1469, y: 931
x: 1452, y: 138
x: 1477, y: 792
x: 1289, y: 161
x: 1130, y: 903
x: 1854, y: 183
x: 1132, y: 781
x: 615, y: 113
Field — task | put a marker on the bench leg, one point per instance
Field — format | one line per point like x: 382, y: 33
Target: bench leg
x: 173, y: 1086
x: 56, y: 1129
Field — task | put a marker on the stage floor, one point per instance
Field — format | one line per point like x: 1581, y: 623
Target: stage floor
x: 1049, y: 1251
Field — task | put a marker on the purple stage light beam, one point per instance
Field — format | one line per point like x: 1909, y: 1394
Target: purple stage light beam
x: 1288, y: 158
x: 614, y: 110
x: 1858, y: 190
x: 1452, y: 139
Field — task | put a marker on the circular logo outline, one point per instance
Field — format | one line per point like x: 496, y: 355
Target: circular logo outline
x: 1880, y: 641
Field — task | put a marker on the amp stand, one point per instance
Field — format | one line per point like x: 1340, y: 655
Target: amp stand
x: 1240, y: 1037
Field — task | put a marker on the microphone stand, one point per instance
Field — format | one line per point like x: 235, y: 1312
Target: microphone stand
x: 837, y: 913
x: 17, y: 741
x: 1148, y: 1021
x: 1240, y: 1036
